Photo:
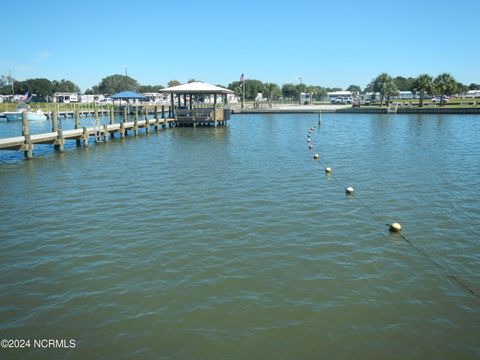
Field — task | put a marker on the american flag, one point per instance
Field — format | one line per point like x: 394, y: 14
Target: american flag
x: 242, y: 80
x: 24, y: 97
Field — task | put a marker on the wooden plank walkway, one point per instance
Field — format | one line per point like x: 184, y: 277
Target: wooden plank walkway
x: 81, y: 135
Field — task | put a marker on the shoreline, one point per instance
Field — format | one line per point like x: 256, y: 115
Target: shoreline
x: 342, y: 109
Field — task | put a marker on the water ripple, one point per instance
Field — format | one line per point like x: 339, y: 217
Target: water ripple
x: 233, y: 243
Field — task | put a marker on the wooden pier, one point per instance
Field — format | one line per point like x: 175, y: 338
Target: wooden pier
x: 101, y: 111
x: 81, y: 135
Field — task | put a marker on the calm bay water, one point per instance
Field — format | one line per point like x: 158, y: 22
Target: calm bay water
x: 231, y: 242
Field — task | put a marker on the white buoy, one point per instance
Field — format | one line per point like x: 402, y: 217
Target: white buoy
x: 328, y: 170
x: 310, y: 146
x: 315, y: 157
x: 349, y: 190
x: 395, y: 227
x: 308, y: 140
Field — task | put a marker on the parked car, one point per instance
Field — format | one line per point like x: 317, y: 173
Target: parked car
x: 105, y: 101
x: 437, y: 99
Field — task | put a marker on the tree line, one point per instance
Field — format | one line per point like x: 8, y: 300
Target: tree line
x: 386, y: 85
x: 423, y: 85
x: 41, y: 87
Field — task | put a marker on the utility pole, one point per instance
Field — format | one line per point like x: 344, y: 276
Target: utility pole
x: 125, y: 66
x: 300, y: 92
x: 11, y: 81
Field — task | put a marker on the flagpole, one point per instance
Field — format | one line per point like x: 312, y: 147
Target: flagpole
x: 243, y: 89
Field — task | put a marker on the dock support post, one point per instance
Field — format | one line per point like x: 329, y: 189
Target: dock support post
x: 77, y: 125
x: 135, y: 122
x: 27, y: 144
x: 112, y: 120
x: 59, y: 142
x: 105, y: 132
x: 85, y: 136
x: 125, y: 115
x: 97, y: 127
x: 215, y: 110
x: 171, y: 109
x: 112, y: 116
x: 147, y: 122
x: 54, y: 121
x: 156, y: 118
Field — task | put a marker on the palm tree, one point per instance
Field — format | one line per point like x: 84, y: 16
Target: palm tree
x: 311, y: 91
x: 271, y: 90
x: 389, y: 89
x: 445, y: 84
x: 385, y: 85
x: 424, y: 85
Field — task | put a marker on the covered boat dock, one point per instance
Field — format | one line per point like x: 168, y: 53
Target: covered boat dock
x: 195, y: 105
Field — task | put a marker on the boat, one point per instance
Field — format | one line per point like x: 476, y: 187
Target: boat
x: 17, y: 115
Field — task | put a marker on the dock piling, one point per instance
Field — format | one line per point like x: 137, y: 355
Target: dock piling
x: 112, y: 116
x: 123, y: 131
x: 112, y: 121
x: 135, y: 126
x: 27, y: 144
x: 105, y: 132
x: 77, y: 124
x: 54, y: 121
x: 60, y: 141
x: 85, y: 136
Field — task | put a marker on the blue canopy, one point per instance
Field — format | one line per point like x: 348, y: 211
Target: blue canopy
x: 125, y: 95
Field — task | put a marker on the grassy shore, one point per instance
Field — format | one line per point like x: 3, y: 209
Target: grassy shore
x: 47, y: 107
x: 451, y: 104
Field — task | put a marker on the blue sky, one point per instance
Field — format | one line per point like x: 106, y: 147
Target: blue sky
x: 334, y: 43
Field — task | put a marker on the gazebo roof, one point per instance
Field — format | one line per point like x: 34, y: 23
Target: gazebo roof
x: 125, y: 95
x: 196, y: 87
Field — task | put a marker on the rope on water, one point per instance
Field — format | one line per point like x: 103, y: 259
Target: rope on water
x: 450, y: 276
x: 458, y: 280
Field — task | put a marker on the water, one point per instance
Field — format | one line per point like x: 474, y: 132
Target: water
x: 231, y: 242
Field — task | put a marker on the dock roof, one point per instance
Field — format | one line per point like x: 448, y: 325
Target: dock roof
x: 196, y: 87
x: 125, y: 95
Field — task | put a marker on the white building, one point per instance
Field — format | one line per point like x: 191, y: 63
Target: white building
x: 88, y: 99
x: 345, y: 94
x: 473, y: 94
x: 371, y: 96
x: 305, y: 98
x: 65, y: 97
x: 157, y: 98
x: 405, y: 95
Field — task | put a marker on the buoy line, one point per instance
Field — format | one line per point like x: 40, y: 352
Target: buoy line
x: 396, y: 228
